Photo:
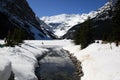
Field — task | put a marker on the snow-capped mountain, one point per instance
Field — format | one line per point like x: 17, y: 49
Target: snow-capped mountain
x: 60, y: 24
x: 101, y: 22
x: 18, y: 14
x: 46, y: 28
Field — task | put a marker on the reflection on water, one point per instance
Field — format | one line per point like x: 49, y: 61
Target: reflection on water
x: 56, y: 65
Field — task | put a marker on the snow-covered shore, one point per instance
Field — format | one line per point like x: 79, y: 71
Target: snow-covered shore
x: 99, y: 61
x: 23, y: 60
x: 5, y: 68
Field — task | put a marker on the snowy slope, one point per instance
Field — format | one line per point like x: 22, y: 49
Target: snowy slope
x: 23, y: 60
x: 46, y: 28
x: 100, y: 24
x: 18, y: 14
x: 60, y: 24
x: 5, y: 68
x: 99, y: 61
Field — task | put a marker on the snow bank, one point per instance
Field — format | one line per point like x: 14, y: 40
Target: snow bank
x: 99, y: 61
x: 23, y: 59
x: 5, y: 68
x: 72, y: 48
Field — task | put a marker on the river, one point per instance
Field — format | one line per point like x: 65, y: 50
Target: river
x: 55, y: 64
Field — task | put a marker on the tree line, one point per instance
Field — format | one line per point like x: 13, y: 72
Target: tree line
x: 84, y: 35
x: 15, y: 37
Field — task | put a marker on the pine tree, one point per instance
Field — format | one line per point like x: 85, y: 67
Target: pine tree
x: 116, y: 21
x: 115, y: 34
x: 84, y: 35
x: 15, y: 37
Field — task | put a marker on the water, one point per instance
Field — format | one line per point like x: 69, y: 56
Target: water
x: 56, y: 65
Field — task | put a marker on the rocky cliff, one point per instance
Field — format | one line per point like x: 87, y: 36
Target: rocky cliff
x: 17, y: 13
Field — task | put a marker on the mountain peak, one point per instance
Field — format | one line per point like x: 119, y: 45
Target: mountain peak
x: 60, y: 24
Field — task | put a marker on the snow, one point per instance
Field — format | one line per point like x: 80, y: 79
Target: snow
x: 49, y: 43
x: 5, y: 68
x: 99, y: 61
x: 37, y: 33
x: 60, y: 24
x: 23, y: 60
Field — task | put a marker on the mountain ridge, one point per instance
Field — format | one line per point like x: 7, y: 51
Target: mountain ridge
x: 18, y: 14
x: 60, y: 24
x: 101, y: 24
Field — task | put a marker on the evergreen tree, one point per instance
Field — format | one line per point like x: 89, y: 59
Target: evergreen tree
x: 84, y: 35
x: 115, y: 34
x: 15, y: 37
x: 116, y: 21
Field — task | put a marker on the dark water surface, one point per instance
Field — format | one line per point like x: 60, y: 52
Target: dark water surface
x: 55, y: 65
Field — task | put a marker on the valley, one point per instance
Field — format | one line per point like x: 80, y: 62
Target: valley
x: 63, y: 46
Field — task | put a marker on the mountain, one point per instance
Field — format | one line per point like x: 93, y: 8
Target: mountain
x: 18, y: 14
x: 46, y: 28
x: 101, y: 22
x: 60, y: 24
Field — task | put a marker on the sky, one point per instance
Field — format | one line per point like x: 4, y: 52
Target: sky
x: 56, y: 7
